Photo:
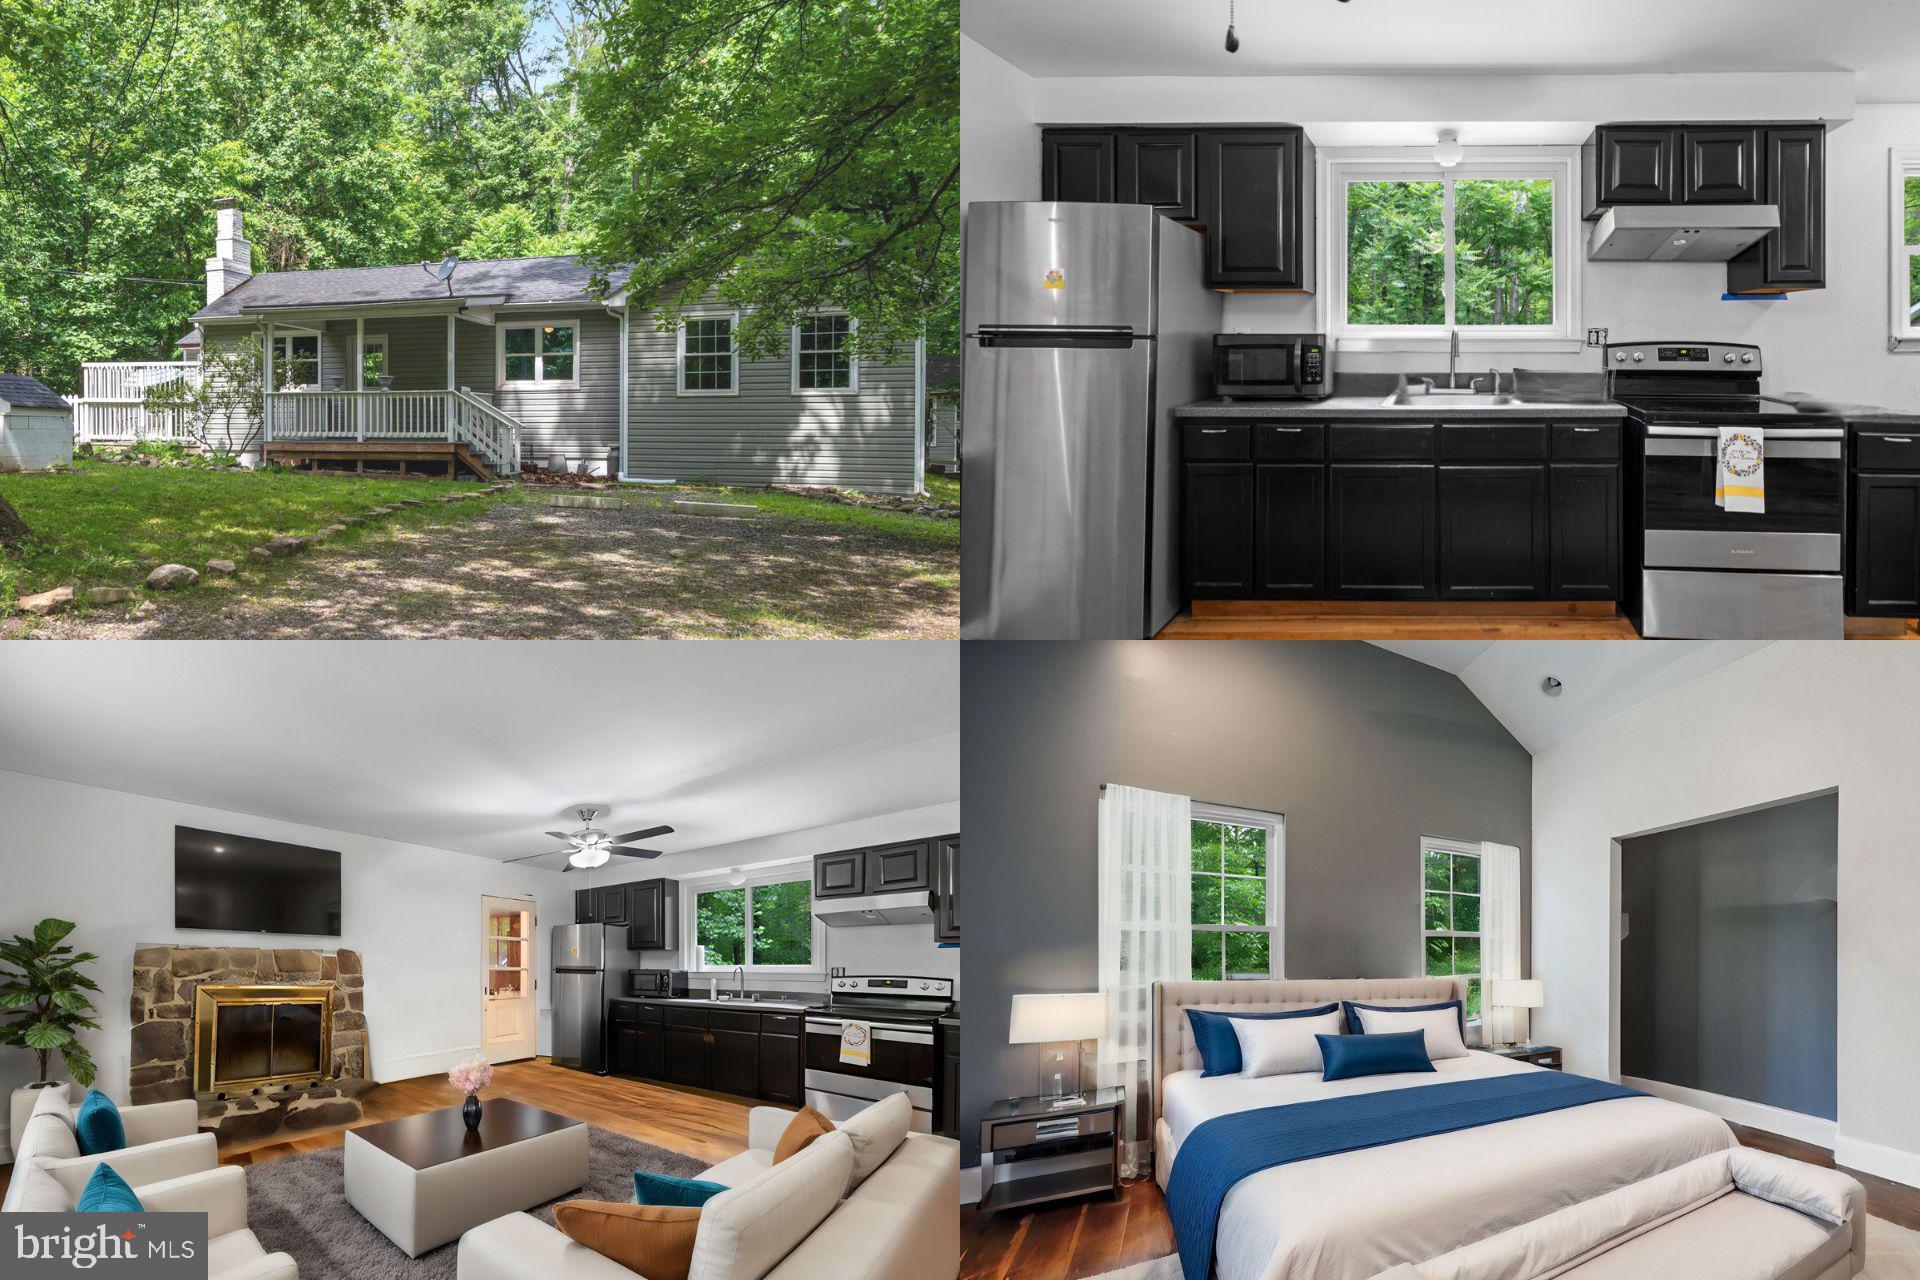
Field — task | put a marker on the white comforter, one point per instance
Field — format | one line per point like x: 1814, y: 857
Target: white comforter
x: 1351, y: 1216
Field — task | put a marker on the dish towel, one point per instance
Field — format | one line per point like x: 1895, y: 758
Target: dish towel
x: 1740, y: 470
x: 856, y: 1044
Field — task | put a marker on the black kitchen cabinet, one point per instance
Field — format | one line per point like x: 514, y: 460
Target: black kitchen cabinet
x: 687, y: 1055
x: 1257, y: 203
x: 1290, y: 516
x: 900, y: 868
x: 742, y: 1051
x: 1885, y: 557
x: 946, y: 889
x: 735, y: 1042
x: 1156, y: 168
x: 654, y: 920
x: 586, y: 907
x: 1077, y: 165
x: 780, y: 1059
x: 1219, y: 529
x: 1380, y: 531
x: 1493, y: 532
x: 612, y: 903
x: 1585, y: 538
x: 1720, y: 166
x: 1631, y: 164
x: 840, y: 875
x: 1795, y: 256
x: 947, y: 1102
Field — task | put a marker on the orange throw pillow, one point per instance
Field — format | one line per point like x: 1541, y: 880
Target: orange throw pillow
x: 806, y: 1125
x: 654, y: 1240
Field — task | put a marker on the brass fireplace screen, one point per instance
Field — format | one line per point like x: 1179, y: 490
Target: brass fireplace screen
x: 246, y: 1036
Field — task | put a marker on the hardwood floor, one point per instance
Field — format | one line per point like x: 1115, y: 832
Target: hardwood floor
x: 1387, y: 620
x: 1086, y: 1237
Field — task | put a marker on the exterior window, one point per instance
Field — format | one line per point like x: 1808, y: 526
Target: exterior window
x: 709, y: 364
x: 373, y: 360
x: 536, y: 354
x: 755, y: 926
x: 820, y: 358
x: 1422, y: 250
x: 1905, y: 218
x: 296, y: 360
x: 1450, y: 915
x: 1236, y: 899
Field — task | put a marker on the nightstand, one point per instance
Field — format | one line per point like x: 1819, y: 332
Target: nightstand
x: 1020, y: 1129
x: 1540, y: 1055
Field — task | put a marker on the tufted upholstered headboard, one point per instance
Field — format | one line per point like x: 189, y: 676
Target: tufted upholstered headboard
x: 1173, y: 1046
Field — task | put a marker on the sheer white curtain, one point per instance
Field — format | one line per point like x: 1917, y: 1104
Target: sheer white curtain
x: 1146, y: 935
x: 1499, y: 936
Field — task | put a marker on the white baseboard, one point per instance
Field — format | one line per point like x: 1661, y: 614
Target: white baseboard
x: 1755, y: 1115
x: 970, y: 1185
x: 438, y: 1062
x: 1882, y: 1162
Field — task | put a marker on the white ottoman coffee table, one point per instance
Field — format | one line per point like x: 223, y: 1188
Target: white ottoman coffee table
x: 425, y: 1179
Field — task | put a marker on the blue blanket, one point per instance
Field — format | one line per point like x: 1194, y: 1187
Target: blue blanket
x: 1222, y: 1151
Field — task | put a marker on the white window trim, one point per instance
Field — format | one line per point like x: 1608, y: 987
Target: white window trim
x: 793, y: 363
x: 283, y: 365
x: 680, y: 352
x: 1338, y: 166
x: 1276, y: 926
x: 386, y: 354
x: 1902, y: 333
x: 1420, y: 868
x: 539, y: 382
x: 693, y: 886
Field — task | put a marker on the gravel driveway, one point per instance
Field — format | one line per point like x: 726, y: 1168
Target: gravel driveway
x: 529, y: 571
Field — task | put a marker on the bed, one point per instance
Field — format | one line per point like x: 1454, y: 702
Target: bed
x: 1354, y: 1215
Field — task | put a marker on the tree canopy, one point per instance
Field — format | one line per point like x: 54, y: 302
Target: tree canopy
x: 1502, y: 242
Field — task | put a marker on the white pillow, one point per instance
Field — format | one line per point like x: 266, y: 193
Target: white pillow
x: 1441, y: 1025
x: 1282, y: 1046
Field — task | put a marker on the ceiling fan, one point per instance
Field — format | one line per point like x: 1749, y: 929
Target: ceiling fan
x: 590, y: 847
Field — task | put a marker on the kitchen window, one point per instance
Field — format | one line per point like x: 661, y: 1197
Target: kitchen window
x: 1486, y: 247
x: 1904, y: 217
x: 709, y: 363
x: 538, y: 353
x: 1450, y: 915
x: 763, y: 925
x: 296, y: 360
x: 821, y: 362
x: 1237, y: 889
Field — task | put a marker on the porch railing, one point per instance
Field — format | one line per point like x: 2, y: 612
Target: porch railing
x: 112, y: 403
x: 453, y: 416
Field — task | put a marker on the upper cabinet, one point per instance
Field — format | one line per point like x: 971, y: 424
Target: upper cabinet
x: 1720, y: 166
x: 1631, y: 164
x: 1795, y: 256
x: 1250, y: 190
x: 653, y: 915
x: 840, y: 875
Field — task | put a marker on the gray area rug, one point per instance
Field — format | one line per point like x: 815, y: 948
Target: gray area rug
x: 297, y: 1204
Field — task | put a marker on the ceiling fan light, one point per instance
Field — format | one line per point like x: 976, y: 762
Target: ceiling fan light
x: 588, y: 857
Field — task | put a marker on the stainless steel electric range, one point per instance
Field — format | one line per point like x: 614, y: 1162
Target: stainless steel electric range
x: 900, y: 1016
x: 1693, y: 569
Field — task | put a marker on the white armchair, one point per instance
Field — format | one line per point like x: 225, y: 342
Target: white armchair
x: 233, y: 1252
x: 163, y: 1142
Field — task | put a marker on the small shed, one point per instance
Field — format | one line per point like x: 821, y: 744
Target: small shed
x: 943, y: 413
x: 36, y: 426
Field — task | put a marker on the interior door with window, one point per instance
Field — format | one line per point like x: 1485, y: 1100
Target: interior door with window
x: 508, y: 963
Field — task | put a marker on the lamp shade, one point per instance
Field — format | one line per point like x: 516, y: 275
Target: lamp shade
x: 1046, y: 1019
x: 1517, y: 993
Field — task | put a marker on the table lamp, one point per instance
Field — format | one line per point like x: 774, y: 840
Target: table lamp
x: 1054, y: 1021
x: 1518, y: 993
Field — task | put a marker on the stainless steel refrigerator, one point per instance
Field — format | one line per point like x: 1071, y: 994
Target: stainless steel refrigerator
x: 583, y: 956
x: 1086, y: 325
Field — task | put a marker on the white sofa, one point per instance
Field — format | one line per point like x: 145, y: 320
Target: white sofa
x: 797, y: 1220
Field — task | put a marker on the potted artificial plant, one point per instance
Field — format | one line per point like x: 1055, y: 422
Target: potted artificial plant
x: 43, y: 997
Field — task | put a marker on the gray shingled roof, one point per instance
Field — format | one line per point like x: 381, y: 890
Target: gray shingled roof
x: 520, y: 280
x: 191, y: 338
x: 23, y: 392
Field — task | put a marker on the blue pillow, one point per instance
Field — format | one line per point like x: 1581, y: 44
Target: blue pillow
x: 1353, y: 1019
x: 107, y: 1192
x: 658, y: 1188
x: 97, y: 1127
x: 1220, y: 1047
x: 1379, y: 1054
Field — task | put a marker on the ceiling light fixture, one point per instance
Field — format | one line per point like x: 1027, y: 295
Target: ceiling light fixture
x: 736, y: 876
x: 1447, y: 151
x: 1233, y: 41
x: 1551, y: 686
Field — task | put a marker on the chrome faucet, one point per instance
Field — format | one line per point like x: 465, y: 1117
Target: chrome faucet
x: 1453, y: 358
x: 739, y: 981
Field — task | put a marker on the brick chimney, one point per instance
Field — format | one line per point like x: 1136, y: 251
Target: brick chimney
x: 232, y: 262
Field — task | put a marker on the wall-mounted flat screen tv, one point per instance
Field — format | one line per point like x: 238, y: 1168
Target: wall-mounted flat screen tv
x: 247, y: 885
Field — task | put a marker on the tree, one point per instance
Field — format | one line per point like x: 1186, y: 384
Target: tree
x: 13, y: 530
x: 226, y: 388
x: 788, y: 155
x: 47, y: 992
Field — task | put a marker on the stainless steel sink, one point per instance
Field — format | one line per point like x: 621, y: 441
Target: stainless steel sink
x: 1441, y: 397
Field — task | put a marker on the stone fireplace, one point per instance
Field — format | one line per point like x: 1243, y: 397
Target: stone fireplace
x: 263, y: 1038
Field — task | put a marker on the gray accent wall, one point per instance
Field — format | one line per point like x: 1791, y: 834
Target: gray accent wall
x: 1364, y: 753
x: 1729, y: 968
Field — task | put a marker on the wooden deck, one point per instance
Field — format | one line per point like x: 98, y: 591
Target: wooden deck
x: 438, y: 456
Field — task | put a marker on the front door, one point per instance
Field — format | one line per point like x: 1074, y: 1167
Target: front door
x: 509, y: 980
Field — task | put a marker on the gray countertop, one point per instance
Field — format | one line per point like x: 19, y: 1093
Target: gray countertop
x: 1368, y: 408
x: 791, y: 1005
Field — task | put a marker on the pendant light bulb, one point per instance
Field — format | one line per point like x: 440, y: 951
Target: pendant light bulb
x: 1447, y: 151
x: 1233, y: 41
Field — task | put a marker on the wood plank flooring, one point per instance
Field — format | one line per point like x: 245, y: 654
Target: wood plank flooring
x: 1447, y: 626
x: 1085, y: 1237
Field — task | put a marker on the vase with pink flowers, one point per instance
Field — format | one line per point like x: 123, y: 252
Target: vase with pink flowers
x: 470, y: 1078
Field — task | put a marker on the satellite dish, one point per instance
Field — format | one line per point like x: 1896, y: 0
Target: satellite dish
x: 443, y: 270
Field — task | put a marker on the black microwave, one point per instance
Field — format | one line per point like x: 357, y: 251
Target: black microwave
x: 656, y: 982
x: 1270, y: 366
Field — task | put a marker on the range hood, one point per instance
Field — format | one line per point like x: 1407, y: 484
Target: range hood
x: 874, y: 908
x: 1679, y: 233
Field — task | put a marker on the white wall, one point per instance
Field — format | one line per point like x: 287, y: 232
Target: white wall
x: 104, y: 859
x: 1790, y: 720
x: 999, y: 145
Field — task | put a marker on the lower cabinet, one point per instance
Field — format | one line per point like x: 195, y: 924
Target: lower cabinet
x: 1290, y: 519
x: 1585, y: 540
x: 687, y: 1054
x: 1493, y: 532
x: 1885, y: 560
x: 736, y: 1052
x: 1219, y: 529
x: 739, y: 1051
x: 780, y: 1069
x: 1380, y: 531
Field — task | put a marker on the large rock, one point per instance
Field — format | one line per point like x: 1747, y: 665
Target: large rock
x: 159, y: 1042
x: 222, y: 568
x: 170, y: 576
x: 46, y: 602
x: 286, y: 545
x: 151, y: 957
x: 185, y: 962
x: 295, y: 960
x: 156, y: 1073
x: 349, y: 962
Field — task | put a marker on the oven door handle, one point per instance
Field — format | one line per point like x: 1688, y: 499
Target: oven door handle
x: 880, y: 1032
x: 1772, y: 433
x: 1781, y: 449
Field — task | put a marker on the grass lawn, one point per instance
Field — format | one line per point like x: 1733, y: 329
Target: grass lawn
x: 900, y: 524
x: 103, y: 524
x: 943, y: 488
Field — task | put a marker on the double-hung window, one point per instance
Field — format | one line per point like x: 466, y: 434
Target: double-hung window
x: 296, y: 360
x: 1486, y: 248
x: 1903, y: 214
x: 1450, y: 915
x: 765, y: 924
x: 709, y: 363
x: 538, y: 353
x: 822, y: 364
x: 1238, y: 884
